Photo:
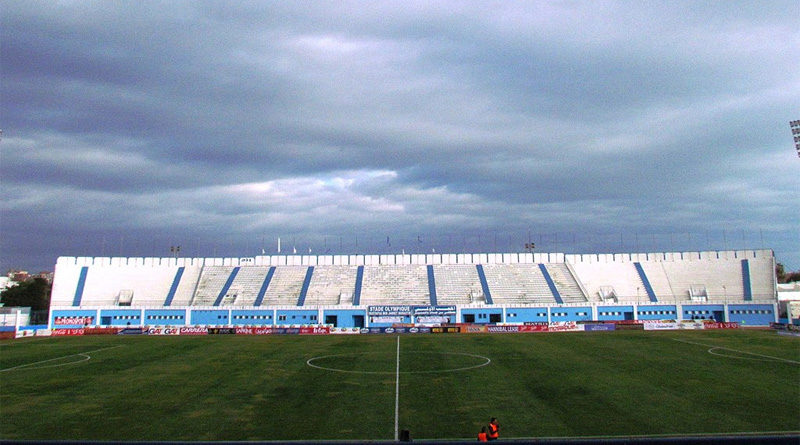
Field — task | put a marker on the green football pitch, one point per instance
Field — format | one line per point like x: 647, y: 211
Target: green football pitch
x: 368, y: 387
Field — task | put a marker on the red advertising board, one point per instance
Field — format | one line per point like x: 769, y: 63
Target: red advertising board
x: 193, y: 330
x: 61, y: 321
x: 251, y: 330
x: 67, y: 331
x: 534, y: 328
x: 715, y: 325
x: 315, y: 330
x: 100, y: 331
x: 564, y: 326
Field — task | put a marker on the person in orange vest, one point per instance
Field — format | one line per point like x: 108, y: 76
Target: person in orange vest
x: 494, y: 429
x: 482, y: 436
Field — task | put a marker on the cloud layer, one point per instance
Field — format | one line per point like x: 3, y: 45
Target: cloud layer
x: 380, y: 127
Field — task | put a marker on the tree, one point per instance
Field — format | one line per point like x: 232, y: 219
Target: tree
x: 34, y: 294
x: 780, y: 272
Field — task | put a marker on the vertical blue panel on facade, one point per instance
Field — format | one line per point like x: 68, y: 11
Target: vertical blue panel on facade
x: 174, y: 287
x: 748, y: 290
x: 226, y: 287
x: 551, y: 284
x: 306, y: 282
x: 359, y: 281
x: 79, y: 289
x: 484, y: 284
x: 431, y: 285
x: 264, y: 286
x: 647, y: 287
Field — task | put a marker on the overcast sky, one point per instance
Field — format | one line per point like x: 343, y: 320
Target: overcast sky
x: 383, y: 127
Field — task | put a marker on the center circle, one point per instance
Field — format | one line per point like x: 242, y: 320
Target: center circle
x: 420, y: 362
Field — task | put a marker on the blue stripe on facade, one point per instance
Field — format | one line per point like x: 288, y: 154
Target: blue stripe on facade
x: 306, y: 282
x: 646, y: 282
x: 81, y: 283
x: 748, y: 289
x: 431, y: 285
x: 226, y: 287
x: 359, y: 282
x: 551, y: 284
x: 264, y: 286
x: 484, y: 284
x: 174, y: 287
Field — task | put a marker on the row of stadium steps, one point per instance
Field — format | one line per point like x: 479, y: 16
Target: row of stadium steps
x: 331, y: 285
x: 187, y: 286
x: 285, y: 287
x: 395, y: 284
x: 623, y: 278
x: 518, y: 284
x: 568, y: 287
x: 245, y: 287
x: 212, y: 280
x: 457, y: 284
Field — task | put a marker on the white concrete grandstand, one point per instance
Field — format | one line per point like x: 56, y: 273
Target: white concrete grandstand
x: 519, y: 279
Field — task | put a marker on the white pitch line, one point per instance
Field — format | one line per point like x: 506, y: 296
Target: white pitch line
x: 736, y: 350
x: 397, y: 395
x: 57, y: 358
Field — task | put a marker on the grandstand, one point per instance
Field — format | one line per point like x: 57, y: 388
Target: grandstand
x: 345, y: 290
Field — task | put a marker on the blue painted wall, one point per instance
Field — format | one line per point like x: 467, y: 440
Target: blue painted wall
x: 252, y: 317
x: 209, y: 317
x: 703, y: 312
x: 296, y: 316
x: 619, y: 312
x: 120, y: 317
x: 570, y: 313
x: 344, y: 318
x: 657, y: 312
x: 526, y: 315
x: 481, y: 314
x: 751, y: 314
x: 164, y: 317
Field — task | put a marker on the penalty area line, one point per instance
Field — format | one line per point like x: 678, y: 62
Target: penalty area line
x: 736, y: 350
x: 84, y: 354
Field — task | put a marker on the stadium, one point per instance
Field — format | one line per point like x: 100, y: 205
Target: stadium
x: 380, y: 291
x: 619, y: 348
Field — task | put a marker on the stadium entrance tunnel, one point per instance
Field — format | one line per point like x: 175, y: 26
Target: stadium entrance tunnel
x: 416, y: 362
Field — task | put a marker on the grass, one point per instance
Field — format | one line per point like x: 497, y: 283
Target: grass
x: 260, y: 388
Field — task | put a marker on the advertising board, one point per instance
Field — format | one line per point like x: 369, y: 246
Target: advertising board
x: 63, y: 321
x: 254, y: 330
x: 193, y: 330
x: 690, y: 325
x: 502, y: 329
x: 132, y: 331
x: 25, y: 333
x: 564, y: 326
x: 345, y: 331
x: 719, y: 325
x: 534, y: 328
x: 315, y: 330
x: 100, y: 331
x: 163, y: 330
x: 388, y: 311
x: 61, y: 332
x: 660, y: 325
x: 599, y: 327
